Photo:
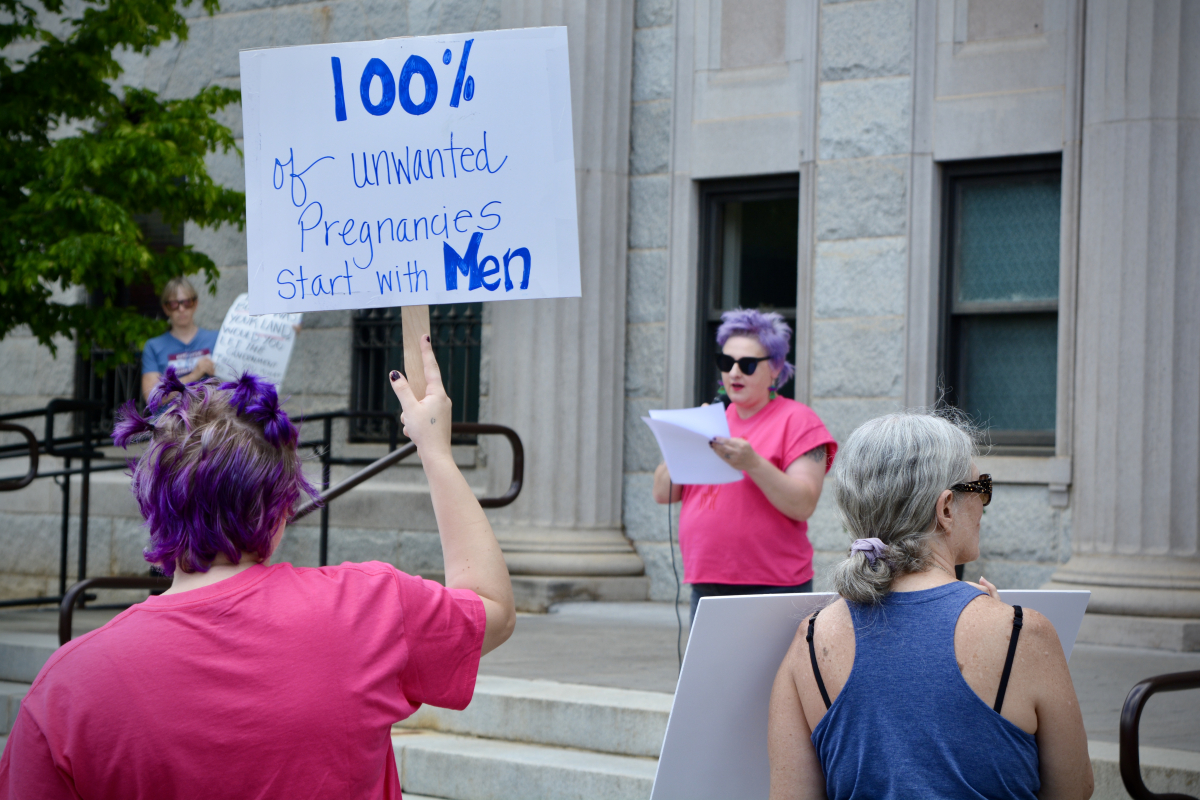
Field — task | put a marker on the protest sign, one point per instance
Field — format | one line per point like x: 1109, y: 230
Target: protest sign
x: 409, y: 172
x: 259, y: 345
x: 716, y: 742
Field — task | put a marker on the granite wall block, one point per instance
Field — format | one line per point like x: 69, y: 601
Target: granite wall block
x: 862, y: 197
x: 865, y: 118
x: 861, y: 357
x: 866, y: 39
x: 860, y: 277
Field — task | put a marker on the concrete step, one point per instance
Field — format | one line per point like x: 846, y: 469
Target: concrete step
x: 1153, y: 633
x: 618, y: 721
x: 11, y: 695
x: 22, y: 654
x: 1163, y: 771
x: 465, y: 768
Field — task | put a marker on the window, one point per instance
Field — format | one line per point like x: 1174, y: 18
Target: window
x: 378, y: 348
x: 748, y: 258
x: 1000, y: 325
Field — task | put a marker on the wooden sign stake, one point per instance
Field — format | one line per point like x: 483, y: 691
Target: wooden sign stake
x: 414, y: 324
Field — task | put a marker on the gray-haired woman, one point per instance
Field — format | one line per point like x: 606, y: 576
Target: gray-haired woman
x: 915, y: 684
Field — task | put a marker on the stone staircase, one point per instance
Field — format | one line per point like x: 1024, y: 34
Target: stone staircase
x: 524, y: 739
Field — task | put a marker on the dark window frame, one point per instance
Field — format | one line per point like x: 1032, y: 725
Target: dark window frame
x: 1003, y: 442
x: 708, y: 307
x: 376, y: 336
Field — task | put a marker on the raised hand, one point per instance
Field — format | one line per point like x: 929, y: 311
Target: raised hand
x: 426, y: 421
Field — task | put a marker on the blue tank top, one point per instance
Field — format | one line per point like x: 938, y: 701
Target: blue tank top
x: 907, y: 724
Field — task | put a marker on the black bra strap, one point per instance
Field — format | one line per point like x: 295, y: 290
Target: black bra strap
x: 812, y: 654
x: 1008, y: 662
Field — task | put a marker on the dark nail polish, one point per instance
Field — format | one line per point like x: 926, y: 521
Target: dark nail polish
x: 395, y: 375
x: 427, y: 337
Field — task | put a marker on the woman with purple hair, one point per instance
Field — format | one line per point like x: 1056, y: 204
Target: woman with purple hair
x: 751, y: 537
x: 252, y: 680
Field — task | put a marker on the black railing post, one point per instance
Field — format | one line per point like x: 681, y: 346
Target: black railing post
x: 326, y: 454
x: 66, y: 527
x: 85, y: 478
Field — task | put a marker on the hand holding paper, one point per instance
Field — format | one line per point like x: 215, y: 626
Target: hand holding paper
x: 683, y: 436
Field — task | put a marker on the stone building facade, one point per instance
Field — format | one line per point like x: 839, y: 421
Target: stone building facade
x: 879, y: 120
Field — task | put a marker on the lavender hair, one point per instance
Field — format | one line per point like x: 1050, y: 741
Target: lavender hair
x: 768, y: 328
x: 220, y: 473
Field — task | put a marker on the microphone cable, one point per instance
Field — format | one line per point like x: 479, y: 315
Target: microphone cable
x: 675, y: 574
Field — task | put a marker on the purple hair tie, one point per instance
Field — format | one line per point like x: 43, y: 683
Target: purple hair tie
x: 873, y: 548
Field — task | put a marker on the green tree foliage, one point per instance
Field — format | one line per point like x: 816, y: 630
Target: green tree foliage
x: 68, y: 202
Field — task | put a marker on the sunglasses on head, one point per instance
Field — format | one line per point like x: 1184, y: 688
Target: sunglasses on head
x: 982, y: 487
x: 173, y: 305
x: 748, y: 363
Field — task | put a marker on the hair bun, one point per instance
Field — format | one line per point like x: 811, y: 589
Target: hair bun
x: 167, y: 386
x: 130, y: 426
x: 258, y: 399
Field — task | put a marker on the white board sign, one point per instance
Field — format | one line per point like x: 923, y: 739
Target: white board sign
x: 716, y: 742
x: 259, y: 345
x: 413, y: 171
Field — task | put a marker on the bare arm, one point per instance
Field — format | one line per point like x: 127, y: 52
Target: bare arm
x: 149, y: 381
x: 664, y: 490
x: 794, y: 491
x: 472, y: 554
x: 795, y: 769
x: 1064, y: 764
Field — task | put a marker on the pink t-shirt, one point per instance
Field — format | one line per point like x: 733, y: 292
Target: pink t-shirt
x: 730, y: 532
x: 278, y: 682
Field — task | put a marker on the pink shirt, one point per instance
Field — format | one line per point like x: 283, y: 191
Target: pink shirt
x: 278, y: 682
x: 730, y: 533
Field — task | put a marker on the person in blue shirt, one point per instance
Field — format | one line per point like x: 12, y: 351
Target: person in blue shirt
x: 187, y: 347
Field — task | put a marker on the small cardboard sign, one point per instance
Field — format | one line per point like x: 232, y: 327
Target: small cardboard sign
x: 716, y: 742
x: 259, y: 345
x: 411, y: 171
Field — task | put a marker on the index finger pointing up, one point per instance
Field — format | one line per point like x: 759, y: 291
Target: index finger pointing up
x: 403, y: 390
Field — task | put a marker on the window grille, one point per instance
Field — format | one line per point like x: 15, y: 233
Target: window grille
x: 378, y: 348
x: 749, y: 259
x: 1000, y: 325
x: 113, y: 388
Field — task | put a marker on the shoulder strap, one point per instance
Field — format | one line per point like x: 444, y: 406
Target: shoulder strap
x: 1008, y: 662
x: 812, y: 654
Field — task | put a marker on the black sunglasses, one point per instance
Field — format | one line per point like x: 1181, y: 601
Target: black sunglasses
x: 748, y: 364
x: 982, y: 487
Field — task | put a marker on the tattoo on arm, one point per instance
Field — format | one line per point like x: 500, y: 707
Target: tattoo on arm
x: 817, y: 453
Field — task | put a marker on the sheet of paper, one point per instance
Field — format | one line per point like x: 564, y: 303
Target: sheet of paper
x: 410, y: 171
x: 708, y: 421
x: 716, y: 742
x: 259, y: 345
x: 689, y: 458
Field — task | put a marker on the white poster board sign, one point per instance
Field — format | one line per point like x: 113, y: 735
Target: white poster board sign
x: 259, y: 345
x: 716, y: 742
x: 413, y: 171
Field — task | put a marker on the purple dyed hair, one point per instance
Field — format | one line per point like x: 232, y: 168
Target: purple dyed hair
x: 220, y: 472
x: 768, y: 328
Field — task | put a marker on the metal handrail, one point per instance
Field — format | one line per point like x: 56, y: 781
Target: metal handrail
x: 86, y: 448
x: 12, y: 484
x: 1131, y: 715
x: 66, y: 609
x: 396, y: 456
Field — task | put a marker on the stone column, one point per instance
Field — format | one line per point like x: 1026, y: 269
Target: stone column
x: 556, y: 371
x: 1137, y: 375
